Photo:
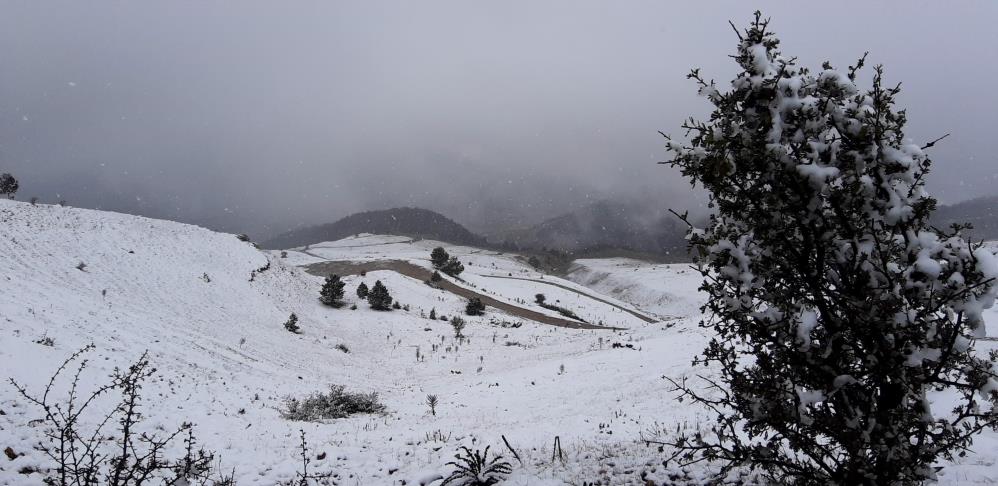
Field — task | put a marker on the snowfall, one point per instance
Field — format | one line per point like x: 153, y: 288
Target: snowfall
x: 210, y: 313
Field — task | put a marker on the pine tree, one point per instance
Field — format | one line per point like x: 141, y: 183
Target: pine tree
x: 475, y: 307
x: 379, y: 298
x: 436, y: 277
x: 453, y: 267
x: 292, y: 324
x: 439, y: 257
x: 8, y: 185
x: 362, y: 290
x: 332, y: 291
x: 835, y: 307
x: 433, y: 314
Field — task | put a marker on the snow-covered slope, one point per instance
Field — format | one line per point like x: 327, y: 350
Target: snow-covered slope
x: 210, y: 311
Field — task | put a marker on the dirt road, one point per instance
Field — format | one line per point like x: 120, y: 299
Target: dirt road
x: 408, y: 269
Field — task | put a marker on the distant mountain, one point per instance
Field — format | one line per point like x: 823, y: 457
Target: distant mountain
x: 414, y: 222
x: 981, y: 212
x: 606, y: 229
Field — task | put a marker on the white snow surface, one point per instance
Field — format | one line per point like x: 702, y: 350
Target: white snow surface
x: 219, y: 348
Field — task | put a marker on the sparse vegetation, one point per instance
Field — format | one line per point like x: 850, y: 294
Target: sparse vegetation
x: 120, y: 457
x: 476, y: 469
x: 458, y: 324
x: 431, y: 401
x: 292, y: 324
x: 334, y: 404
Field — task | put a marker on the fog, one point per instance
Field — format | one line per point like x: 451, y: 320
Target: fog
x: 262, y: 116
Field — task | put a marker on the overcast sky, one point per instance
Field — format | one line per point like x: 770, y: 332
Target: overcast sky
x: 262, y: 116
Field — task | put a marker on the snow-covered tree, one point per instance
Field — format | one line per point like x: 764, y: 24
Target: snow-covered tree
x: 475, y: 307
x: 332, y: 291
x: 8, y: 185
x: 453, y: 267
x: 837, y: 312
x: 379, y: 298
x: 362, y: 290
x: 439, y: 257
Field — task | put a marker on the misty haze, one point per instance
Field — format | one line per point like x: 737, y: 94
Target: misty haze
x: 521, y: 243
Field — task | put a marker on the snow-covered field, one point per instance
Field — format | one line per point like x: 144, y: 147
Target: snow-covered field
x: 225, y: 362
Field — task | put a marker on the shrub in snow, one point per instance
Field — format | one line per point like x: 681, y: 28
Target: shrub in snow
x: 332, y: 291
x: 82, y: 453
x: 292, y: 324
x: 439, y: 257
x: 476, y: 469
x: 433, y: 313
x: 431, y: 401
x: 334, y: 404
x: 458, y: 324
x: 8, y: 185
x: 436, y: 277
x: 362, y: 290
x: 379, y: 298
x: 475, y: 307
x: 835, y: 307
x: 243, y: 237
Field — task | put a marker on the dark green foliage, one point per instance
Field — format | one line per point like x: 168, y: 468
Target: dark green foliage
x: 439, y: 257
x: 453, y: 267
x: 436, y: 277
x: 8, y: 185
x: 433, y: 313
x: 834, y: 307
x: 379, y: 298
x: 332, y: 291
x: 475, y: 307
x: 334, y: 404
x: 362, y: 290
x: 396, y: 305
x: 476, y: 469
x: 292, y: 324
x: 540, y: 298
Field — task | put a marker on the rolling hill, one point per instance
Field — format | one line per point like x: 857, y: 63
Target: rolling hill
x: 412, y: 222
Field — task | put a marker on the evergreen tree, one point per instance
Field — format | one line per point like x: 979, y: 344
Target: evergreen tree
x: 835, y: 307
x: 332, y: 291
x: 433, y: 314
x: 540, y: 298
x: 475, y: 307
x: 8, y: 185
x: 439, y: 257
x: 362, y: 290
x: 379, y: 298
x: 436, y: 277
x: 453, y: 267
x: 292, y: 324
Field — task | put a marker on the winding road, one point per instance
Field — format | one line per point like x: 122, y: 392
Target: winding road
x: 332, y: 267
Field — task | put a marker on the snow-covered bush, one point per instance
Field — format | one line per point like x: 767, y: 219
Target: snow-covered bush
x: 337, y: 403
x: 836, y: 309
x: 291, y: 325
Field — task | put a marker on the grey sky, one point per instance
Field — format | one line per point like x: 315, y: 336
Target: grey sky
x: 260, y: 116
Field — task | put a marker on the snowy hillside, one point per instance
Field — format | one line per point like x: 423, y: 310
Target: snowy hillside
x: 209, y: 309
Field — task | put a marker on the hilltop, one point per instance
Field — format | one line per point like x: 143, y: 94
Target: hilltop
x: 412, y: 222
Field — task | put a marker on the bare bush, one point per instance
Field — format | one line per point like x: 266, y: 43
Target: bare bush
x: 95, y: 456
